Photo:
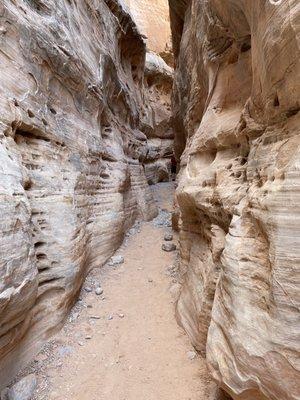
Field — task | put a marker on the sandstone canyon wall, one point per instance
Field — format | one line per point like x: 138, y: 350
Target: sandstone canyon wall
x: 236, y: 122
x: 158, y: 84
x: 152, y: 18
x: 74, y: 120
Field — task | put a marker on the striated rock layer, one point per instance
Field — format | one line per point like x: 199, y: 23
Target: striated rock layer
x: 236, y: 117
x: 73, y: 137
x: 152, y: 18
x: 158, y: 84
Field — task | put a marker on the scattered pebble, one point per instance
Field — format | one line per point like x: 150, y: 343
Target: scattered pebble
x: 88, y: 337
x: 40, y: 358
x: 65, y: 351
x: 168, y: 237
x: 88, y: 289
x: 134, y: 230
x: 74, y: 316
x: 116, y: 260
x: 80, y: 343
x: 168, y: 247
x: 24, y: 389
x: 150, y: 280
x: 110, y: 317
x: 172, y: 271
x: 163, y: 219
x: 121, y: 315
x: 95, y: 317
x: 191, y: 355
x: 99, y: 291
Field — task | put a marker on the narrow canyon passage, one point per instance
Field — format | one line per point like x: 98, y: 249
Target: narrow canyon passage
x: 125, y: 343
x: 102, y: 104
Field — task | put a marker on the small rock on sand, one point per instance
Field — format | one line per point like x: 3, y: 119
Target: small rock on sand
x: 168, y: 237
x: 191, y: 355
x: 99, y: 291
x: 24, y: 389
x: 168, y: 247
x: 116, y: 260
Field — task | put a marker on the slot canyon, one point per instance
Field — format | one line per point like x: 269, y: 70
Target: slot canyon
x: 150, y: 200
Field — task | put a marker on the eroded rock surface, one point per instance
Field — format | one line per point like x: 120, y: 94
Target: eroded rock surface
x: 236, y: 116
x: 158, y: 83
x: 73, y: 137
x: 152, y: 18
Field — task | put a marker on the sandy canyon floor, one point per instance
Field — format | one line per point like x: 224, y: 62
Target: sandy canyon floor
x: 125, y: 344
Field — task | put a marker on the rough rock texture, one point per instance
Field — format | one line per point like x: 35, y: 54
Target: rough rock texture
x: 158, y: 83
x: 152, y: 18
x: 72, y: 137
x: 236, y: 117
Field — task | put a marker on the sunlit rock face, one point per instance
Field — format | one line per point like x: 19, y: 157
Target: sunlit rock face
x: 236, y: 117
x: 152, y: 18
x: 153, y: 21
x: 72, y: 137
x: 158, y: 84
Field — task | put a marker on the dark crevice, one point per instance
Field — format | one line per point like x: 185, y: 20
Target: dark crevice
x: 246, y: 46
x: 52, y: 110
x: 292, y: 111
x: 30, y: 114
x: 39, y: 6
x: 28, y: 185
x: 276, y: 101
x: 48, y: 281
x: 29, y: 134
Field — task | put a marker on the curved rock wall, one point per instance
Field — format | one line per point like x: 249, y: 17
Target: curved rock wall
x: 152, y: 18
x: 158, y: 83
x: 236, y: 121
x: 72, y: 137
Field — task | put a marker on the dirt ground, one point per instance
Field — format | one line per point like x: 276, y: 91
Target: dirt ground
x: 125, y: 344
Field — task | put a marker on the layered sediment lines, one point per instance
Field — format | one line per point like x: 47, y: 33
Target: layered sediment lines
x: 236, y: 122
x: 73, y: 140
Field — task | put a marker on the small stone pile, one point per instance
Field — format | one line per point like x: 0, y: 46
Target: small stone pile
x: 168, y: 246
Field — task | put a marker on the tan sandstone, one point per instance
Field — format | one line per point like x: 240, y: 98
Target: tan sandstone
x: 152, y: 18
x: 236, y: 122
x: 74, y: 127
